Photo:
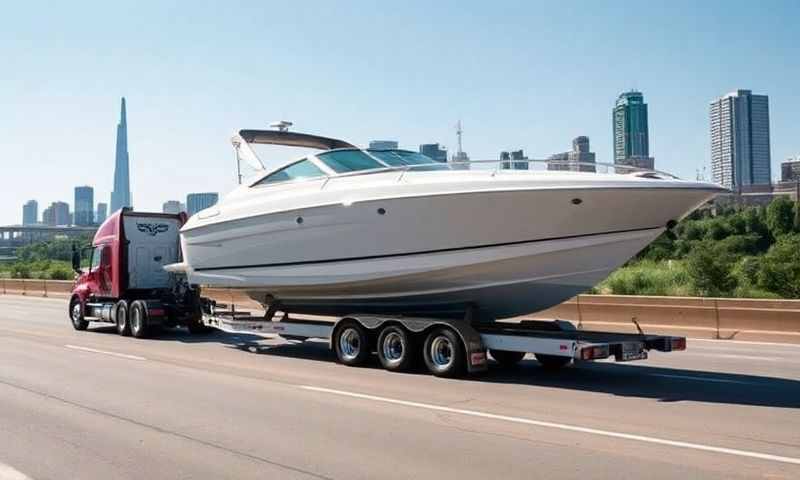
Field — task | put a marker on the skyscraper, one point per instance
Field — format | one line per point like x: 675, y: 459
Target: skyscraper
x: 56, y: 214
x: 576, y: 160
x: 30, y: 212
x: 200, y: 201
x: 433, y: 151
x: 102, y: 213
x: 740, y: 146
x: 383, y: 145
x: 509, y: 164
x: 173, y: 206
x: 121, y: 195
x: 631, y: 131
x: 790, y: 169
x: 84, y: 206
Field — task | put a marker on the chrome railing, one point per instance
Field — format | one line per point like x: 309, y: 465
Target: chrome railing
x: 538, y: 165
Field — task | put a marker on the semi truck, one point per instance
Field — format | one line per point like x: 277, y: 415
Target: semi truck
x: 125, y: 284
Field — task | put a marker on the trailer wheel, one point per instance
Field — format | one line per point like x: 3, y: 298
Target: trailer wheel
x: 138, y: 319
x: 120, y: 313
x: 351, y: 344
x: 552, y: 362
x: 507, y: 358
x: 444, y: 353
x: 396, y: 349
x: 76, y: 314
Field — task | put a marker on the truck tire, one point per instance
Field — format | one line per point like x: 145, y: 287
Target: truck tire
x: 444, y: 353
x: 552, y: 362
x: 197, y: 327
x: 121, y: 318
x: 351, y: 343
x: 138, y: 319
x: 507, y: 358
x: 76, y: 314
x: 396, y: 348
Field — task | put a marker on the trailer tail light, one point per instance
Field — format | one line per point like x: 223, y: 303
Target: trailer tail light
x: 594, y: 352
x: 678, y: 343
x: 156, y: 312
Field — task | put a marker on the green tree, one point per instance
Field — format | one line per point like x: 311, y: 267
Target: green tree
x: 780, y: 216
x: 710, y: 270
x: 780, y: 267
x: 797, y: 214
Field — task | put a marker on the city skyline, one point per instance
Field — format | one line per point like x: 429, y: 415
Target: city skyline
x: 191, y: 95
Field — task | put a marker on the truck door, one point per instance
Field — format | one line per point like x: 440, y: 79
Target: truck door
x: 104, y: 271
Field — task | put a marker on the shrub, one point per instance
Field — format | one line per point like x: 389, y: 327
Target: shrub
x: 710, y: 270
x: 60, y: 272
x: 20, y: 270
x: 648, y: 278
x: 780, y: 268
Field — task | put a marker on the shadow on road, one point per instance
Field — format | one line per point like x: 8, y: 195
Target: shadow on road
x: 663, y: 384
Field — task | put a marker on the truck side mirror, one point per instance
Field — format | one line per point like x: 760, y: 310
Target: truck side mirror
x: 76, y: 259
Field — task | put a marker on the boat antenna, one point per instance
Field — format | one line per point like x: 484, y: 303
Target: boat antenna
x: 236, y: 145
x: 282, y: 125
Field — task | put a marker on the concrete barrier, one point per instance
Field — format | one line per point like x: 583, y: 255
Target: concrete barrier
x: 721, y: 318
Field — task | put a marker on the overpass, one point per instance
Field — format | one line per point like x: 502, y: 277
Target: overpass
x: 15, y: 236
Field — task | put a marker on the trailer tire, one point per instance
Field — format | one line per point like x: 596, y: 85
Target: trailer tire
x: 138, y: 319
x: 507, y: 358
x: 76, y: 314
x: 397, y: 349
x: 120, y: 314
x: 351, y: 343
x: 552, y: 362
x: 444, y: 353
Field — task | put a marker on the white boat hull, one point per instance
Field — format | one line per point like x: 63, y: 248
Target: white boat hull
x: 508, y: 251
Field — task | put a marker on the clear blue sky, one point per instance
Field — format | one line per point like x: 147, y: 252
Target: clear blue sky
x: 526, y: 74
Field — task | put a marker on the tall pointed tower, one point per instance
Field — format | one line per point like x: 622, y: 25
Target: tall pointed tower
x: 121, y: 196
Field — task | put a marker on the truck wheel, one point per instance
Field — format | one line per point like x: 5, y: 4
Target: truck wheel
x: 444, y: 353
x: 121, y: 318
x: 138, y: 319
x: 552, y: 362
x: 396, y: 349
x: 507, y: 358
x: 76, y: 314
x: 351, y: 344
x: 196, y: 326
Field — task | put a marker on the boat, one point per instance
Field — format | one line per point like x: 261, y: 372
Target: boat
x: 347, y: 230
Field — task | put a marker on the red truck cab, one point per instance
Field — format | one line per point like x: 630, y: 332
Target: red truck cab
x: 126, y: 284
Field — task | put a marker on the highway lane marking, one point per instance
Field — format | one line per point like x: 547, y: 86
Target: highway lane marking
x: 739, y: 357
x: 105, y: 352
x: 7, y: 472
x: 744, y: 342
x: 558, y: 426
x: 701, y: 379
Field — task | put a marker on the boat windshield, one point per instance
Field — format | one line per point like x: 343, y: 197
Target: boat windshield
x: 402, y: 158
x: 344, y: 161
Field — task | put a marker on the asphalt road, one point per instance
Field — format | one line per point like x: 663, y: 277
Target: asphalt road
x: 95, y: 405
